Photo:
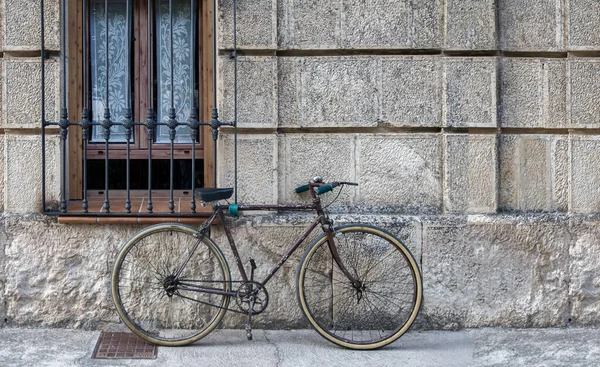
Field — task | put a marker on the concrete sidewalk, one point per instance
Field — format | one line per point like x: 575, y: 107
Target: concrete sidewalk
x: 481, y: 347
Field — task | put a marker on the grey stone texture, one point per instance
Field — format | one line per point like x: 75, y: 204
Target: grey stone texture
x: 583, y: 24
x: 534, y: 173
x: 584, y: 175
x: 487, y: 271
x: 20, y: 20
x: 328, y: 92
x: 2, y: 170
x: 470, y: 25
x: 257, y: 91
x: 21, y: 94
x: 469, y: 91
x: 23, y: 175
x: 392, y: 24
x: 257, y: 167
x: 256, y: 24
x: 399, y: 173
x: 531, y: 25
x: 533, y: 93
x: 584, y: 93
x: 308, y: 24
x: 470, y: 179
x: 411, y: 91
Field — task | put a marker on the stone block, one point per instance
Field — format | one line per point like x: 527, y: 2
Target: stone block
x: 23, y: 173
x: 257, y: 91
x: 584, y: 285
x: 531, y: 25
x: 583, y: 22
x: 303, y: 157
x: 21, y: 25
x: 399, y: 173
x: 534, y: 173
x: 59, y: 276
x: 470, y: 25
x: 256, y: 24
x: 21, y: 93
x: 470, y: 92
x: 308, y: 24
x: 329, y: 92
x: 411, y: 91
x: 500, y: 271
x: 257, y: 167
x: 584, y: 93
x: 470, y: 180
x: 585, y: 160
x: 533, y: 93
x: 386, y: 24
x: 2, y: 171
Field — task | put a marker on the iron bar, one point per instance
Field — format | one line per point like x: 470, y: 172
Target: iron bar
x: 85, y: 113
x: 215, y: 111
x: 172, y: 116
x: 106, y: 122
x: 128, y: 116
x: 235, y: 110
x: 64, y: 118
x: 150, y: 123
x: 43, y: 94
x: 193, y: 120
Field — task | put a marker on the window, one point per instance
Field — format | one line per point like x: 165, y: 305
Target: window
x: 129, y: 65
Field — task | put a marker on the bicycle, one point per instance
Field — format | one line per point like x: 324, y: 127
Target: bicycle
x: 357, y: 284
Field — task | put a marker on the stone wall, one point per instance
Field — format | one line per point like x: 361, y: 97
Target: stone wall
x: 471, y: 127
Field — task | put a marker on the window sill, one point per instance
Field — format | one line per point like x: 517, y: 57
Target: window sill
x: 132, y: 219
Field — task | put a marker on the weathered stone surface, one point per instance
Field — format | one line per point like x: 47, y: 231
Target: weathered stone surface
x: 470, y: 25
x: 256, y: 24
x: 2, y: 171
x: 257, y: 91
x: 411, y: 91
x: 584, y: 285
x: 471, y: 168
x: 534, y: 172
x: 492, y: 271
x: 391, y: 24
x: 584, y: 161
x: 308, y: 24
x: 399, y: 173
x: 328, y: 92
x: 302, y: 157
x: 21, y: 25
x: 21, y: 92
x: 531, y: 25
x: 257, y: 167
x: 470, y: 92
x: 533, y: 93
x: 583, y: 25
x: 584, y: 94
x: 23, y: 173
x: 59, y: 275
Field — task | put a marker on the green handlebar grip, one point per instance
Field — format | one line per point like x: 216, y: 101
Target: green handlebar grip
x: 302, y: 188
x: 323, y: 189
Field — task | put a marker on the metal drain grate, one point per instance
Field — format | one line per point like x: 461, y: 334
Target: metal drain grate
x: 121, y: 345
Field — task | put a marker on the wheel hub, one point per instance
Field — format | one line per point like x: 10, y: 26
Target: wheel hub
x: 170, y: 285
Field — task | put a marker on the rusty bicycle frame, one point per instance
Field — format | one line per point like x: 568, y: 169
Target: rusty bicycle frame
x: 219, y: 213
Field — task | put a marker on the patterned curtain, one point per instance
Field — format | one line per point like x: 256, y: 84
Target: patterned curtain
x: 182, y: 73
x: 117, y: 58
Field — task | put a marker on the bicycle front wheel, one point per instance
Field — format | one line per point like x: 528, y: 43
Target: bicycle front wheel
x: 369, y: 313
x: 156, y: 284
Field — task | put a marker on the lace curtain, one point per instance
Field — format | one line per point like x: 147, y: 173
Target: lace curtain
x: 117, y: 57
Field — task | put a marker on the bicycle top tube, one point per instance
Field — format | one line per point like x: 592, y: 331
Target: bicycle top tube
x: 269, y: 207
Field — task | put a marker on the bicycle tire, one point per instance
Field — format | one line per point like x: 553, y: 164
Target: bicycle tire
x: 385, y: 308
x: 146, y: 298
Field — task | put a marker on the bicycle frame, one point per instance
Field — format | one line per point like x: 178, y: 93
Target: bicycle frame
x: 326, y: 225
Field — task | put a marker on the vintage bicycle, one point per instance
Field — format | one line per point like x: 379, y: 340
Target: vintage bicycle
x: 358, y: 285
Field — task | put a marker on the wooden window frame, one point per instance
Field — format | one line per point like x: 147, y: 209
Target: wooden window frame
x: 75, y: 88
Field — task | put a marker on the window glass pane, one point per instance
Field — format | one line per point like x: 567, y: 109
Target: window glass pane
x: 117, y: 65
x: 183, y: 74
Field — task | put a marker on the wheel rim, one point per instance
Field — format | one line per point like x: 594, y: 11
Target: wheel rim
x: 148, y: 285
x: 373, y: 312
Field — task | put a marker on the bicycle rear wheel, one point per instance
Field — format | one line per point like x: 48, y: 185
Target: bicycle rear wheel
x: 368, y: 315
x: 153, y: 284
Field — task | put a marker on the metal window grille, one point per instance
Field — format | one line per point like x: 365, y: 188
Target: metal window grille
x: 175, y: 125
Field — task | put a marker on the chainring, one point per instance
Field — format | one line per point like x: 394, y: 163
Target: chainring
x: 252, y: 296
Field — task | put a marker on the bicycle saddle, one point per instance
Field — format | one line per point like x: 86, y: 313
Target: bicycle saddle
x: 213, y: 194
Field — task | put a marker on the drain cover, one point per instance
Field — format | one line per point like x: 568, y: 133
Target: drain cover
x: 112, y: 345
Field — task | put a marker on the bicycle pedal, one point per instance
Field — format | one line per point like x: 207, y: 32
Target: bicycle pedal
x: 248, y: 332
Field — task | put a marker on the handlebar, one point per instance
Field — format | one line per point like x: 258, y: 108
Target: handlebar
x: 323, y: 188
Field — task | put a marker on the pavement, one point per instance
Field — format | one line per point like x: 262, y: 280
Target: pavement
x: 477, y: 347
